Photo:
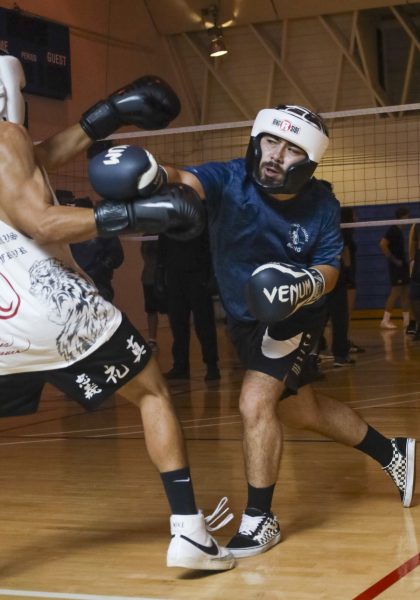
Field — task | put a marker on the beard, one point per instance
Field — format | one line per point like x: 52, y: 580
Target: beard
x: 276, y: 175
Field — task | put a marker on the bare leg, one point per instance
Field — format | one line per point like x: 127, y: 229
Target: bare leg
x: 262, y: 428
x: 162, y: 431
x: 405, y: 300
x: 326, y: 416
x: 166, y: 449
x: 392, y: 298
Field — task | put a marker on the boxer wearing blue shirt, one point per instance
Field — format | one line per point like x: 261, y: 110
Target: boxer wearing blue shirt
x: 276, y: 244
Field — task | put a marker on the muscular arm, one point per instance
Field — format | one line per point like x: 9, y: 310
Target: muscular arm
x: 25, y: 198
x: 61, y: 147
x: 179, y: 176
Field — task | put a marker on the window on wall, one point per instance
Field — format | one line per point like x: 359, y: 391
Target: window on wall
x: 394, y: 61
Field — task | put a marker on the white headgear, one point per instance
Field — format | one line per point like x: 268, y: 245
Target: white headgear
x: 297, y: 125
x: 12, y: 80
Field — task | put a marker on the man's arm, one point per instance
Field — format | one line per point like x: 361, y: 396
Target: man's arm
x: 330, y: 275
x: 185, y: 177
x: 148, y: 102
x: 25, y: 198
x: 384, y: 246
x: 62, y: 147
x: 412, y: 243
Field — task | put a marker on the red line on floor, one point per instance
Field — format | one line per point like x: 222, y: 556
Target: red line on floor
x: 386, y: 582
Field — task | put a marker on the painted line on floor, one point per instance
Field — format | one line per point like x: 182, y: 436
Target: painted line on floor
x: 110, y: 436
x: 64, y: 596
x: 117, y: 428
x: 389, y: 580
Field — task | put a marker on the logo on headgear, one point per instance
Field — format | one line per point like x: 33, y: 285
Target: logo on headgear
x: 286, y: 126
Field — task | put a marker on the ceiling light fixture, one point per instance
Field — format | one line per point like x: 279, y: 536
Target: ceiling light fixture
x: 210, y: 19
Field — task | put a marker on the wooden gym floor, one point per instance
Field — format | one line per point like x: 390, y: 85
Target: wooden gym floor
x: 83, y: 515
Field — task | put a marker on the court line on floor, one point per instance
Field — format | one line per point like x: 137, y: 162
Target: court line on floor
x: 65, y: 596
x: 386, y: 582
x: 111, y: 436
x: 196, y: 423
x: 119, y: 427
x: 387, y: 397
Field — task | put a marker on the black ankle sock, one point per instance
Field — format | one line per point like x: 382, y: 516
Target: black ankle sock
x: 260, y: 498
x: 377, y: 446
x: 179, y: 491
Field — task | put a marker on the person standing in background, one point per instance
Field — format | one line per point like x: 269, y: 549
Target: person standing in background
x: 414, y: 257
x: 188, y: 275
x: 392, y: 246
x: 348, y: 266
x: 153, y: 305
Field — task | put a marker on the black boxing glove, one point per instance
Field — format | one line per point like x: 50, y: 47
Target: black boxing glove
x: 124, y: 172
x: 176, y: 211
x: 277, y: 290
x: 149, y: 102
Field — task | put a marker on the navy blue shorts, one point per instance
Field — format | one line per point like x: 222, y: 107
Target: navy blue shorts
x: 280, y: 349
x: 88, y: 381
x: 399, y: 275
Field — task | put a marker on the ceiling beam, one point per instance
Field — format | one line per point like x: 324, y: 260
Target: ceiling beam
x: 273, y: 53
x: 236, y: 99
x: 408, y: 74
x: 182, y: 77
x: 366, y: 41
x: 335, y: 34
x: 408, y: 27
x: 339, y: 71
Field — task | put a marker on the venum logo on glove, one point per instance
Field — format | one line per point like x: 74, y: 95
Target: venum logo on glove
x: 289, y: 293
x: 277, y: 290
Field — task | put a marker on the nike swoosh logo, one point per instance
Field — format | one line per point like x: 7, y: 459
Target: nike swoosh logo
x: 213, y: 550
x: 182, y: 480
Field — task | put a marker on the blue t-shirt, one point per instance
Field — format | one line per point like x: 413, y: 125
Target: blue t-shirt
x: 249, y: 228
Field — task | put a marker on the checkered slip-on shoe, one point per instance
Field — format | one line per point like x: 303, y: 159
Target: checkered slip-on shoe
x: 402, y: 468
x: 256, y: 534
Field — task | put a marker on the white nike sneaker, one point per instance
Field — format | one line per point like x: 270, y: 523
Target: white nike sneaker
x: 192, y: 547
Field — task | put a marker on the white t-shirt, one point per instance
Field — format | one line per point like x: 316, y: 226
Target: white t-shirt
x: 50, y: 315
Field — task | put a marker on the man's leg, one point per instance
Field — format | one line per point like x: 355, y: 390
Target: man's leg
x: 191, y: 545
x: 204, y: 323
x: 179, y: 320
x: 389, y: 305
x: 259, y: 529
x: 337, y: 421
x: 338, y: 309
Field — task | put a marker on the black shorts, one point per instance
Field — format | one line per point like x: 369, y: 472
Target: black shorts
x: 281, y: 349
x: 151, y: 304
x: 399, y: 275
x: 88, y: 381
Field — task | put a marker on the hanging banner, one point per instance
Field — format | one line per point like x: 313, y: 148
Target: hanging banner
x: 43, y: 47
